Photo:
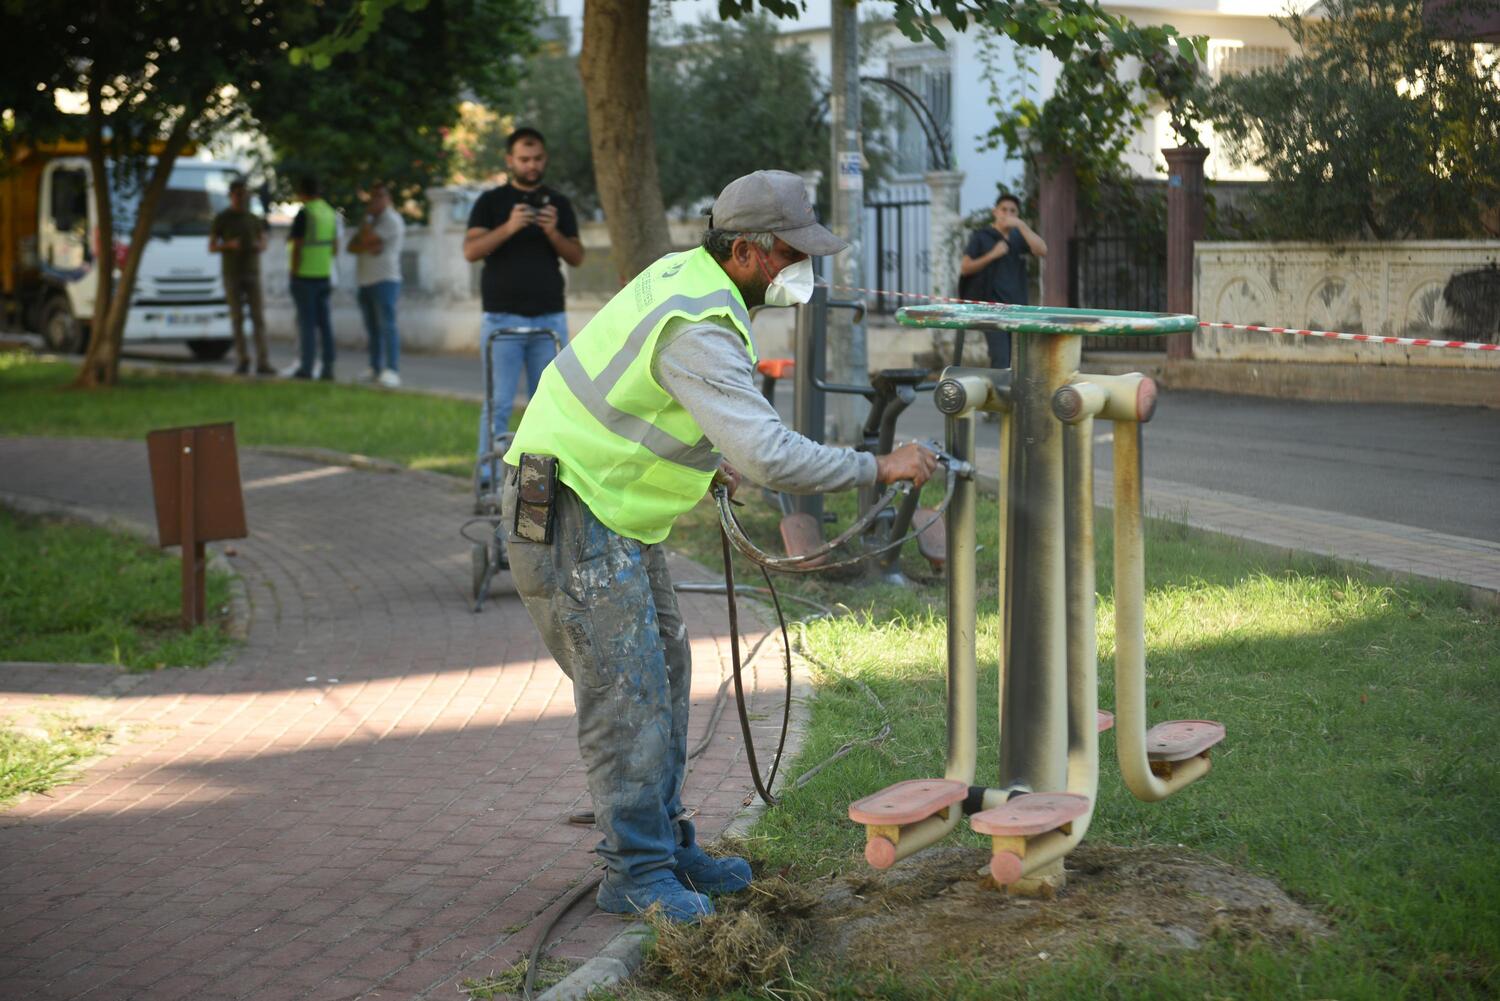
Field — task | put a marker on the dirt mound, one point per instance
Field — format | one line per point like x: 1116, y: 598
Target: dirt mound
x: 941, y: 906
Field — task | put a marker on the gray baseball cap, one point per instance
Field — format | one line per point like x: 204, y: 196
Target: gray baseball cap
x: 774, y: 201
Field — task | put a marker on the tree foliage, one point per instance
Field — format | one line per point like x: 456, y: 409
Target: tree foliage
x: 548, y: 98
x: 763, y: 106
x: 617, y: 90
x: 382, y: 109
x: 1375, y: 129
x: 1095, y: 108
x: 752, y: 101
x: 156, y: 77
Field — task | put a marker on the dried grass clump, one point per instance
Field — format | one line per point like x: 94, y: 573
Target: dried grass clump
x: 749, y: 942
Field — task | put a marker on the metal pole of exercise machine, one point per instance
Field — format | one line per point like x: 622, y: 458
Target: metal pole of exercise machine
x: 809, y: 406
x: 1034, y: 701
x: 810, y: 385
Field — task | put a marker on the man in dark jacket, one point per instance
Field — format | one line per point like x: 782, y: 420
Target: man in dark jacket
x: 993, y: 268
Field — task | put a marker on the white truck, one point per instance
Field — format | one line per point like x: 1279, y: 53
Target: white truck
x: 49, y: 257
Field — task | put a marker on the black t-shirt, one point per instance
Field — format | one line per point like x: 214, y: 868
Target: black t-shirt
x: 1000, y: 281
x: 521, y: 275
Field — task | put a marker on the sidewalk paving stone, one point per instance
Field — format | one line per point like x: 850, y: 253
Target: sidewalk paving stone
x: 255, y: 834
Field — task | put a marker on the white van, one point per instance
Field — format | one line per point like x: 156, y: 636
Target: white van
x: 179, y: 295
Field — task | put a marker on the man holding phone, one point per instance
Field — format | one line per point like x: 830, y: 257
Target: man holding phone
x: 521, y: 230
x: 993, y: 268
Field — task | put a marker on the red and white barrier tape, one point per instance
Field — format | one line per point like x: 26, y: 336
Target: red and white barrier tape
x: 1417, y: 342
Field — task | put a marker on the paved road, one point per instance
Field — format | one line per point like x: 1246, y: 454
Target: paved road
x: 1419, y: 466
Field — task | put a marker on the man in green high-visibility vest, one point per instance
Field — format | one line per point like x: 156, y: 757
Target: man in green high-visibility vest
x: 626, y: 431
x: 311, y: 243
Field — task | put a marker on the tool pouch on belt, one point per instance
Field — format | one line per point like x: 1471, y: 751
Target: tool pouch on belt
x: 536, y: 498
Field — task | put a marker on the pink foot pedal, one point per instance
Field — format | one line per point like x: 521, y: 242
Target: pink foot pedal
x: 1031, y: 814
x: 907, y: 802
x: 1182, y: 739
x: 801, y: 534
x: 1106, y: 720
x: 932, y: 541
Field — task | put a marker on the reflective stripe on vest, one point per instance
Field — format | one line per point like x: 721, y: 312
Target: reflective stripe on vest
x: 593, y: 393
x: 318, y: 240
x: 636, y: 469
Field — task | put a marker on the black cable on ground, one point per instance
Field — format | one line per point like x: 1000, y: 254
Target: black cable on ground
x: 762, y: 786
x: 731, y: 590
x: 535, y: 956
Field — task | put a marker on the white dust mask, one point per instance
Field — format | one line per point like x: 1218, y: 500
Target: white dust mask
x: 792, y: 286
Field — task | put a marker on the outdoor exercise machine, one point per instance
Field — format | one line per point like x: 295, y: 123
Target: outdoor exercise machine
x: 1043, y: 801
x: 889, y: 393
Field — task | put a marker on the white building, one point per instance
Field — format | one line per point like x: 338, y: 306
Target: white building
x: 952, y: 81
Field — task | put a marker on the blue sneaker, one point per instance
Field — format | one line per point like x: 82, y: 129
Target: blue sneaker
x: 659, y: 888
x: 700, y: 871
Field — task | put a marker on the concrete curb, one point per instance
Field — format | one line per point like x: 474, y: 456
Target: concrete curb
x: 617, y: 961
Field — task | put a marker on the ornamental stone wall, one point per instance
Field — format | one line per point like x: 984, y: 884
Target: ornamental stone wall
x: 1386, y: 289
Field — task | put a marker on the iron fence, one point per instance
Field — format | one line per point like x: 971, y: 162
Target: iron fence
x: 896, y: 247
x: 1118, y: 272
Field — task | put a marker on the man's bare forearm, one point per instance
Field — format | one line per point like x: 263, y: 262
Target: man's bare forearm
x: 481, y: 243
x: 569, y: 248
x: 1034, y: 243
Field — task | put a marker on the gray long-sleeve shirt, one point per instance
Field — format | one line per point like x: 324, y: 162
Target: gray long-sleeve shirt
x: 703, y: 365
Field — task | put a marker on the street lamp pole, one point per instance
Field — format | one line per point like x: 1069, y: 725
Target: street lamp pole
x: 846, y: 336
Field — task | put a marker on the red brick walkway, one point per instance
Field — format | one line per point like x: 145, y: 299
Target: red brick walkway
x: 265, y: 831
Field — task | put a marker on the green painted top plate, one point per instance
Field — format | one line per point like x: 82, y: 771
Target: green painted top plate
x: 1046, y: 320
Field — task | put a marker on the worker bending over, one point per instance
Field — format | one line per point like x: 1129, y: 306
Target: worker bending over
x: 625, y: 433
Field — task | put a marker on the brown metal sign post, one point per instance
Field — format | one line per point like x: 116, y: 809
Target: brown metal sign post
x: 195, y: 478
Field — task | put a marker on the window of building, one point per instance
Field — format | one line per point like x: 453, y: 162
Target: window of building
x: 927, y: 73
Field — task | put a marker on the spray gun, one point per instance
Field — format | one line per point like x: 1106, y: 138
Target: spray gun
x: 960, y: 468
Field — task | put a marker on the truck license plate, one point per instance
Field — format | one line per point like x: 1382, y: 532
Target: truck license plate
x: 188, y: 319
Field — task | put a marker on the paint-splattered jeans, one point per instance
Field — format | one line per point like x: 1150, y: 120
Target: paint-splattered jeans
x: 605, y: 608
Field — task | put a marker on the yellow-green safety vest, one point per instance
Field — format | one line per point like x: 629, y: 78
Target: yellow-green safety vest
x: 630, y: 451
x: 317, y: 240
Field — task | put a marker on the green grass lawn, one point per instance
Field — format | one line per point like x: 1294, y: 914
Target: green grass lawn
x: 423, y: 432
x: 72, y: 593
x: 1360, y: 770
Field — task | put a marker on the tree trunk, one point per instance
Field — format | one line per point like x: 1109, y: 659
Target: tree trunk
x: 613, y: 66
x: 104, y: 232
x: 101, y: 366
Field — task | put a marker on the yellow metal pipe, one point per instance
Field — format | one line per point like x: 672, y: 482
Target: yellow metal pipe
x: 1082, y: 654
x: 995, y: 797
x: 914, y: 837
x: 963, y: 675
x: 1082, y: 648
x: 1130, y: 631
x: 1129, y: 397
